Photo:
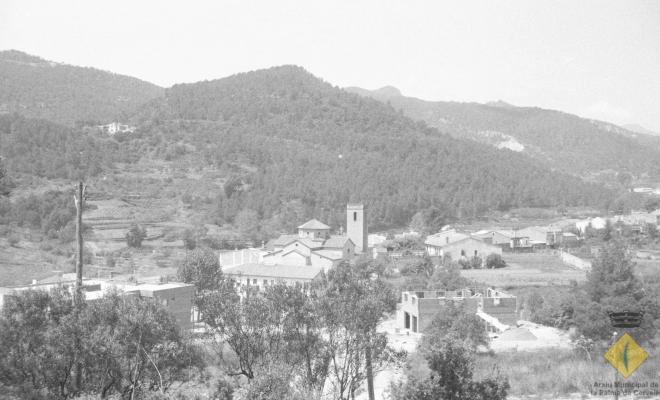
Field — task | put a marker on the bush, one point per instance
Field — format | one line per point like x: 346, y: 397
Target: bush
x: 189, y: 240
x: 46, y: 247
x: 13, y: 239
x: 135, y: 236
x: 110, y: 261
x: 495, y: 261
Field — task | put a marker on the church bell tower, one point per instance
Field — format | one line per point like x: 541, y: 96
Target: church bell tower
x: 356, y: 226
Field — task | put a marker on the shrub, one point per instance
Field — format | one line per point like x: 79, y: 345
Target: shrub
x: 110, y: 261
x: 13, y: 239
x: 135, y: 236
x: 46, y: 247
x: 495, y: 261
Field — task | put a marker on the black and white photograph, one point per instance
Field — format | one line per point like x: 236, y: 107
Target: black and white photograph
x: 329, y: 200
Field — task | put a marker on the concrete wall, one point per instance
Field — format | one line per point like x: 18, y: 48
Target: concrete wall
x: 322, y: 262
x: 178, y: 301
x: 240, y: 257
x: 503, y: 308
x: 425, y: 305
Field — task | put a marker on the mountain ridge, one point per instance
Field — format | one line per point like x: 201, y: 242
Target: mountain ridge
x: 561, y: 140
x: 68, y: 94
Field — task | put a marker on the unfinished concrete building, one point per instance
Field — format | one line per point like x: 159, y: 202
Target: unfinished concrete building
x: 417, y: 309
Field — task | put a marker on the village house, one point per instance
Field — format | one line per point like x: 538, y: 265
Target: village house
x: 541, y: 236
x: 498, y: 310
x: 176, y: 297
x: 468, y: 248
x: 507, y: 240
x: 569, y: 239
x: 435, y: 243
x: 656, y: 213
x: 260, y: 276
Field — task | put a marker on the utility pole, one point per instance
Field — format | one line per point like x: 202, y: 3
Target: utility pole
x: 370, y: 371
x: 79, y: 201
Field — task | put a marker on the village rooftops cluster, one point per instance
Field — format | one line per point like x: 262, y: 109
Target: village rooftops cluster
x: 299, y: 257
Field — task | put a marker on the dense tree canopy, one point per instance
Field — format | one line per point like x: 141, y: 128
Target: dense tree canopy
x: 123, y: 345
x: 324, y: 146
x: 65, y: 93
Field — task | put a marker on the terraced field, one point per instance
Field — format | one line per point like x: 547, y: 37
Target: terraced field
x: 527, y: 269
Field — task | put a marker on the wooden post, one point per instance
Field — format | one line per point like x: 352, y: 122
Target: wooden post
x: 370, y: 372
x: 79, y: 201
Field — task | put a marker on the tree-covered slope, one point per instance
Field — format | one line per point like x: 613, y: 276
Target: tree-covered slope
x: 562, y: 141
x: 38, y: 88
x: 309, y: 140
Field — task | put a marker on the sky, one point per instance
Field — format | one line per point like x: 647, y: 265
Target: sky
x: 598, y: 59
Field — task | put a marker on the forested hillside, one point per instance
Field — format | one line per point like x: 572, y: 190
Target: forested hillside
x: 38, y: 88
x: 305, y: 139
x: 562, y: 141
x: 46, y: 149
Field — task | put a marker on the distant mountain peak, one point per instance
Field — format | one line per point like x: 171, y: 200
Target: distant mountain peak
x: 500, y: 103
x: 388, y: 91
x: 20, y: 57
x: 640, y: 129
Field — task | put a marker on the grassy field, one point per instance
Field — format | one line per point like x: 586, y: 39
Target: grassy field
x: 648, y: 268
x: 559, y: 372
x: 527, y: 269
x: 547, y: 374
x: 30, y: 259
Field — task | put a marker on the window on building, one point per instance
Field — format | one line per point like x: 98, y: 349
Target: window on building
x: 475, y: 253
x: 405, y: 297
x: 254, y: 281
x: 265, y: 282
x: 413, y: 300
x: 462, y: 252
x: 354, y: 216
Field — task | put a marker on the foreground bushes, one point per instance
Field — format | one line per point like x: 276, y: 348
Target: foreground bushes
x: 115, y: 345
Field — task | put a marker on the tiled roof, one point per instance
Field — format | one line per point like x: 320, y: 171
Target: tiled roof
x: 312, y: 244
x: 329, y: 254
x: 314, y: 224
x: 283, y: 240
x: 294, y: 251
x: 444, y: 238
x: 481, y: 243
x: 336, y: 241
x: 306, y: 272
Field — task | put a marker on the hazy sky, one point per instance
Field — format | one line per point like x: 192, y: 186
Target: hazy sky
x: 599, y: 59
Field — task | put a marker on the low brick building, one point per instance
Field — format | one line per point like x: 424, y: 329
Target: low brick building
x: 417, y: 309
x: 176, y: 297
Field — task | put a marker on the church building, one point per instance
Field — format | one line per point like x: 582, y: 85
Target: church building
x: 314, y: 247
